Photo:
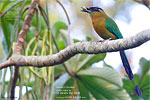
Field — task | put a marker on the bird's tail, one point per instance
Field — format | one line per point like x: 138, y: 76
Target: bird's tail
x: 126, y: 65
x: 129, y: 71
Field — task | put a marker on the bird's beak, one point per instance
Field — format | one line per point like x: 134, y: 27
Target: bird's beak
x: 85, y: 9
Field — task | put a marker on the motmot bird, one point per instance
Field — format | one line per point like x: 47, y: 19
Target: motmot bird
x: 106, y: 28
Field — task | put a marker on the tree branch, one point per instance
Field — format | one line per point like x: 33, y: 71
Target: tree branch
x: 145, y: 2
x: 94, y: 47
x: 13, y: 83
x: 25, y: 28
x: 20, y: 41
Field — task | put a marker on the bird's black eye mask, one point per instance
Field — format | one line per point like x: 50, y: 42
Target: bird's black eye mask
x: 95, y: 9
x: 91, y: 9
x: 85, y: 9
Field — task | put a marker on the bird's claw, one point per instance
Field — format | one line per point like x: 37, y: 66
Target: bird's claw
x: 110, y: 39
x: 101, y: 40
x: 105, y: 40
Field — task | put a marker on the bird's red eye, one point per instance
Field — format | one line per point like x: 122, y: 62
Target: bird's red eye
x: 95, y: 8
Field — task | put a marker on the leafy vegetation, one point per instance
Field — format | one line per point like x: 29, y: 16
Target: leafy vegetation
x: 86, y: 82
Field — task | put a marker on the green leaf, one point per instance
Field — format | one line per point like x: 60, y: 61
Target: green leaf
x: 142, y: 79
x: 63, y: 88
x: 107, y: 74
x: 59, y: 70
x: 87, y: 60
x: 103, y: 83
x: 95, y: 58
x: 6, y: 27
x: 144, y: 67
x: 5, y: 4
x: 75, y: 40
x: 29, y: 36
x: 106, y: 65
x: 57, y: 27
x: 2, y: 54
x: 92, y: 85
x: 61, y: 45
x: 84, y: 94
x: 129, y: 86
x: 145, y: 87
x: 88, y: 38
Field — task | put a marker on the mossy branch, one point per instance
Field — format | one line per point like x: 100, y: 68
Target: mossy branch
x: 93, y: 47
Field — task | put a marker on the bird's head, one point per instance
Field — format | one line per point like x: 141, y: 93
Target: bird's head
x: 93, y: 10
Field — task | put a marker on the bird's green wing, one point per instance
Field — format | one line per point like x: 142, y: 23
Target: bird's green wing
x: 113, y: 28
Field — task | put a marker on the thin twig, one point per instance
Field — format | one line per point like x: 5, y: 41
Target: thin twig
x: 55, y: 43
x: 69, y: 22
x: 47, y: 92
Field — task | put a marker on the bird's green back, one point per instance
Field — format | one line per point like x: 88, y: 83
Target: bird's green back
x: 112, y: 27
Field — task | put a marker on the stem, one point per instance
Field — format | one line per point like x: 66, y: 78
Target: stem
x: 47, y: 92
x: 13, y: 83
x: 51, y: 84
x: 69, y: 22
x: 57, y: 48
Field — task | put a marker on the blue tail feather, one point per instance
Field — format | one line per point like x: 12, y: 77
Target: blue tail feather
x: 129, y: 71
x: 138, y: 90
x: 126, y: 65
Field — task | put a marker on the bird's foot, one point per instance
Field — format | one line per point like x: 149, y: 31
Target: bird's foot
x: 110, y: 39
x: 105, y: 40
x: 100, y: 40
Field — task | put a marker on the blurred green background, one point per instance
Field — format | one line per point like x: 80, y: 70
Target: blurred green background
x: 93, y: 77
